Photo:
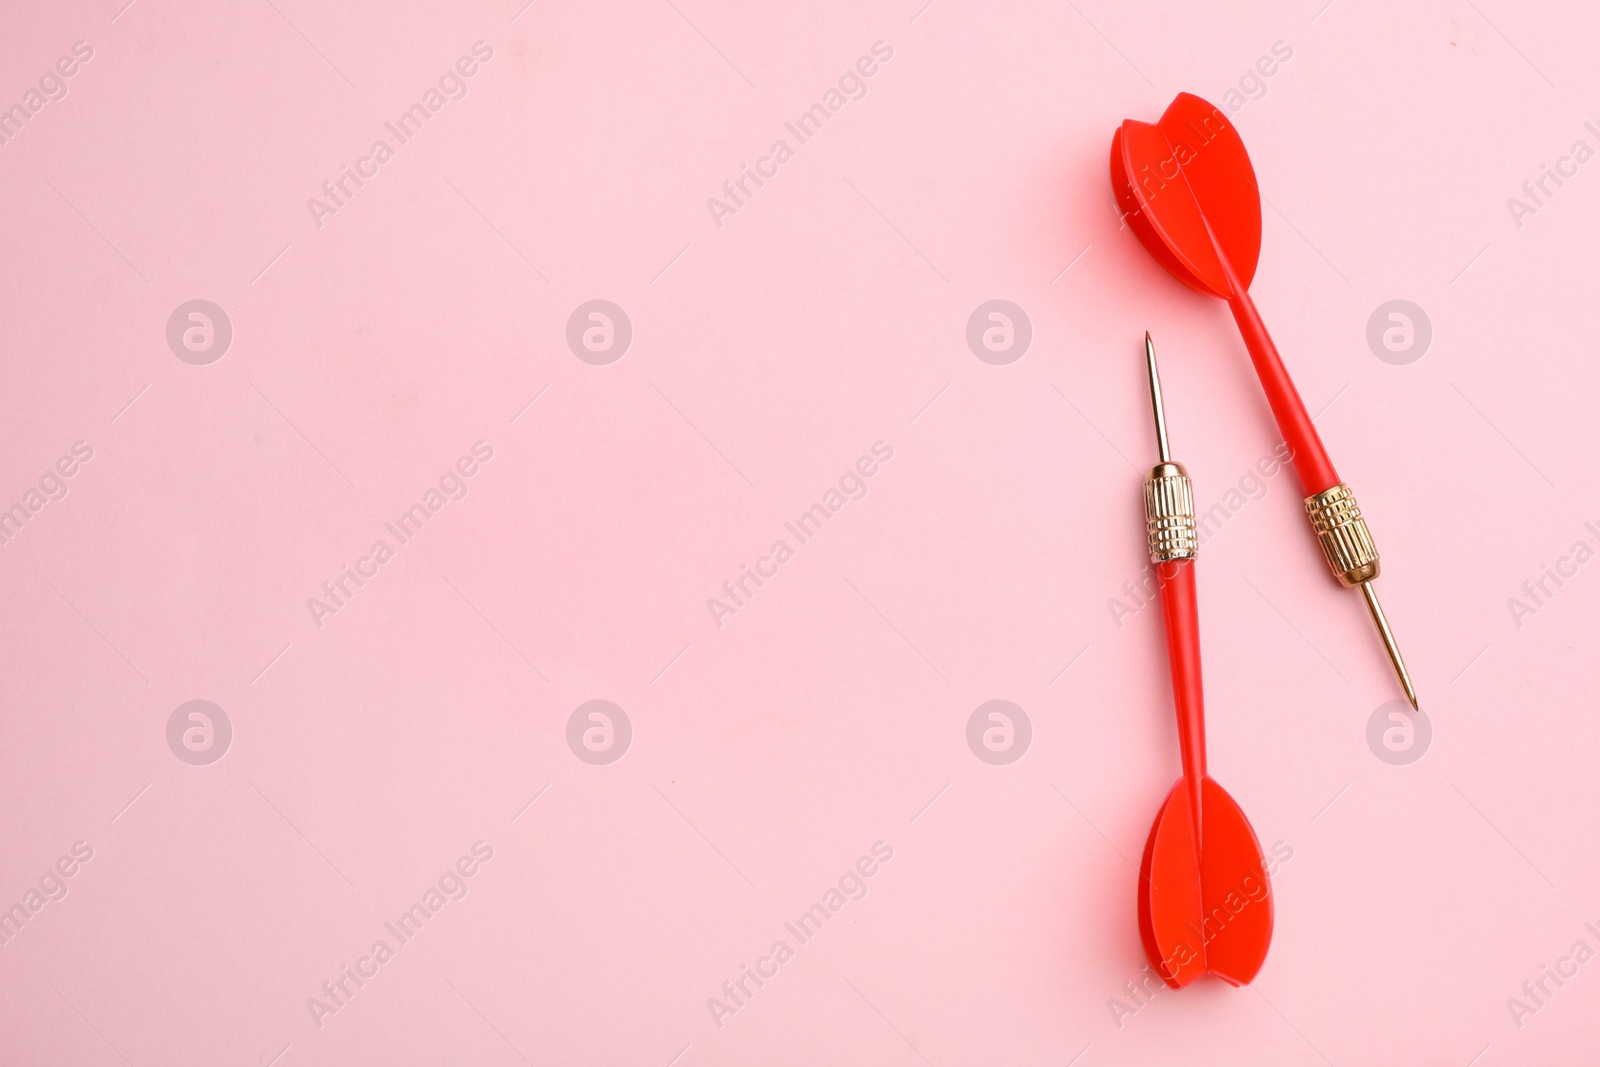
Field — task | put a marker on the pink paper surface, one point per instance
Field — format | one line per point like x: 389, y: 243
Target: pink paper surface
x: 588, y: 883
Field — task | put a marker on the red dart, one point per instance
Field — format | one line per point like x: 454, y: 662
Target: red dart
x: 1205, y: 903
x: 1188, y: 191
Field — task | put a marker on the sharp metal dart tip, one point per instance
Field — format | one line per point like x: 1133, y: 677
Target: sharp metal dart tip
x: 1155, y: 399
x: 1389, y: 644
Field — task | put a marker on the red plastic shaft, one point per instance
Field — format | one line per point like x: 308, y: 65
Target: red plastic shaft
x: 1180, y: 609
x: 1311, y: 460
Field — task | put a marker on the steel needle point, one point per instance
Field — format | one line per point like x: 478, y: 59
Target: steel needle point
x: 1389, y: 644
x: 1155, y: 399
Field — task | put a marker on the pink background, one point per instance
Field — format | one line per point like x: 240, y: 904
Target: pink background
x: 768, y: 354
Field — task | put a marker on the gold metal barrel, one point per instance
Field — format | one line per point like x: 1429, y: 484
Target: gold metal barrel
x: 1169, y: 513
x: 1347, y: 545
x: 1342, y: 532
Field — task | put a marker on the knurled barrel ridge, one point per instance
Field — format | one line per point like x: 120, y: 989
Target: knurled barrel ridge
x: 1169, y: 513
x: 1342, y: 532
